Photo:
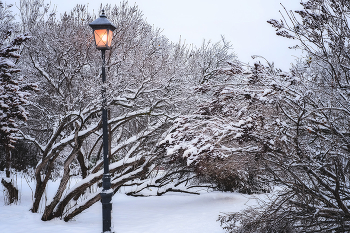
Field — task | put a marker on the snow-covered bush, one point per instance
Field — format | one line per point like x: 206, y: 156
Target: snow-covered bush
x: 310, y: 162
x: 225, y: 138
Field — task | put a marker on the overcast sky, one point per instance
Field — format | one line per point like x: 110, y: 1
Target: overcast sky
x: 243, y: 22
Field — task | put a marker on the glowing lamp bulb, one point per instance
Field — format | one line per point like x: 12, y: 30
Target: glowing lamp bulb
x: 104, y: 38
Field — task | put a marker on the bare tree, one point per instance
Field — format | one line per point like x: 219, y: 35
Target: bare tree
x: 310, y: 161
x: 149, y: 79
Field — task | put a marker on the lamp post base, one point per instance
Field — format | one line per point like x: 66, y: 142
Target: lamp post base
x: 106, y: 198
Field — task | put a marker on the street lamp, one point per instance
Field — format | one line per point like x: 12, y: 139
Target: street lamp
x: 103, y: 34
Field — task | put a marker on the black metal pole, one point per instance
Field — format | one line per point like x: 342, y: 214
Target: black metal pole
x: 107, y: 192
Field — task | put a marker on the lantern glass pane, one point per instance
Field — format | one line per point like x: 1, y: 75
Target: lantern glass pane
x: 101, y: 38
x: 110, y: 37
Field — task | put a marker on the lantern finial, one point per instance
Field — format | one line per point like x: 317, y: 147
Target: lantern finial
x: 103, y: 14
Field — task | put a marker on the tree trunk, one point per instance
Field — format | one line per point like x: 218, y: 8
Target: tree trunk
x: 41, y: 185
x: 76, y: 192
x: 8, y: 162
x: 48, y: 212
x: 81, y: 161
x: 12, y: 191
x: 80, y: 209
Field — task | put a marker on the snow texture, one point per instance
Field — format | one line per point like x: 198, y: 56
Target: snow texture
x: 171, y: 213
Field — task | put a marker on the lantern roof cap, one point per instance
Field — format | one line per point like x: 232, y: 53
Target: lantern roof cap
x: 102, y: 23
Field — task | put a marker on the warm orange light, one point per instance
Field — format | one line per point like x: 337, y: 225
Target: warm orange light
x: 103, y: 38
x: 103, y: 31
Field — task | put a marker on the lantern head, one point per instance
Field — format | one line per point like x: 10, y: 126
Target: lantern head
x: 103, y: 32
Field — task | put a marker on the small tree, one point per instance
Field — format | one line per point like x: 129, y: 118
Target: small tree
x: 13, y: 97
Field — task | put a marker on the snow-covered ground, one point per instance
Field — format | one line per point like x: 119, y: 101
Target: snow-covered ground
x: 171, y: 213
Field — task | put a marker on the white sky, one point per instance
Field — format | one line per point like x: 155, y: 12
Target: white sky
x: 243, y: 22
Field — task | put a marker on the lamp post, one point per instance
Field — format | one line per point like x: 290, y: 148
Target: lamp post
x: 103, y: 34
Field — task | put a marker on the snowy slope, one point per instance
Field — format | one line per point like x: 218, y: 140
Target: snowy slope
x: 172, y: 213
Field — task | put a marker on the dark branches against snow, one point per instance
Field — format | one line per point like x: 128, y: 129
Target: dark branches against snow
x: 149, y: 83
x: 309, y: 159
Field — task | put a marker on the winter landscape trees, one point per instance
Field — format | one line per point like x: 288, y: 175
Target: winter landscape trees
x: 181, y: 117
x: 149, y: 77
x: 309, y: 160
